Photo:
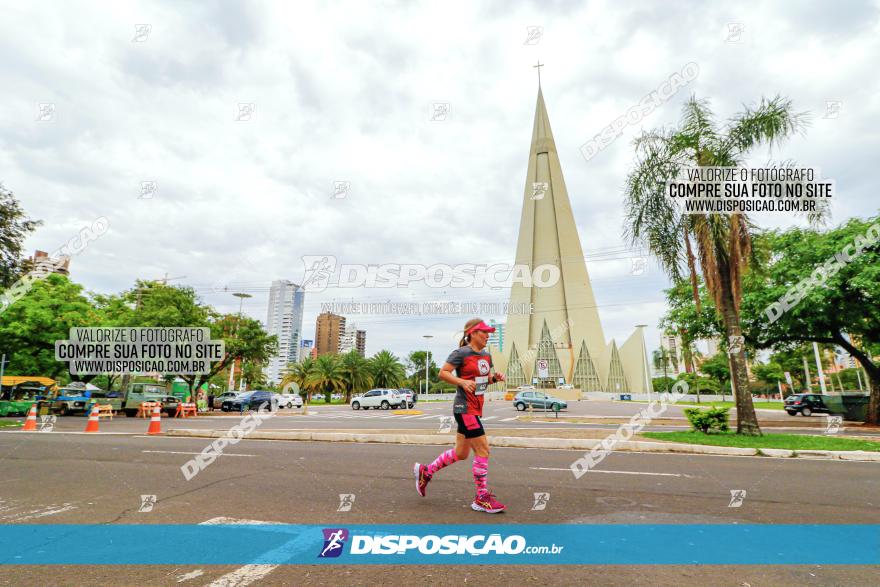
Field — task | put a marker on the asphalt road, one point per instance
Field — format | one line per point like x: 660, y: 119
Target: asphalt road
x: 496, y: 414
x: 62, y: 478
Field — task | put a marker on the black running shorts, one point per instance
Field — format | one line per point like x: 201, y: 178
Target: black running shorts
x: 470, y: 426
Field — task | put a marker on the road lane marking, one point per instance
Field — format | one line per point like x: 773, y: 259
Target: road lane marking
x: 40, y: 513
x: 617, y: 472
x: 188, y: 576
x: 243, y: 575
x: 488, y: 418
x: 178, y: 452
x: 508, y: 419
x: 250, y: 573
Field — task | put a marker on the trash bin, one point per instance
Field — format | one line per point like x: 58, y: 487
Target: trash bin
x: 856, y: 407
x: 853, y: 407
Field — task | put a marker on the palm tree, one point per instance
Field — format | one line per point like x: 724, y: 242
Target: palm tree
x: 721, y: 242
x: 662, y: 359
x: 301, y: 374
x: 387, y: 370
x: 356, y: 371
x: 327, y: 375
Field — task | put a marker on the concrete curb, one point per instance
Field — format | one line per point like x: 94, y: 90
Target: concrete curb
x: 584, y: 444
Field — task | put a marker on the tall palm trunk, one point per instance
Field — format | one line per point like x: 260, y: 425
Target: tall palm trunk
x: 746, y: 418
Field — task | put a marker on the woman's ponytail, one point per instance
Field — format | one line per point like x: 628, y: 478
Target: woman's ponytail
x: 466, y: 339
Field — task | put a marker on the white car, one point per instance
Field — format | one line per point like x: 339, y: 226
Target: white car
x: 408, y: 395
x: 379, y: 398
x: 289, y: 400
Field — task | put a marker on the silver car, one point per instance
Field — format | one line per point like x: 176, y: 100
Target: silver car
x: 289, y: 400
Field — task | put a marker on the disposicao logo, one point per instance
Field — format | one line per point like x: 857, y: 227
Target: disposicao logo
x: 334, y: 541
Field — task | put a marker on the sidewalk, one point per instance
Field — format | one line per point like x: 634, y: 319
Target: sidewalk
x: 583, y: 440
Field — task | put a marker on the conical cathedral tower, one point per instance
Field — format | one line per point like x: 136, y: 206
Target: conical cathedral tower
x: 563, y: 329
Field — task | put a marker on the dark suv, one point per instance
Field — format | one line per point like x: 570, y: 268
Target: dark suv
x: 805, y: 403
x: 251, y: 401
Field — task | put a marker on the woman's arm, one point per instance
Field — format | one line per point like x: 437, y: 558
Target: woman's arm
x: 447, y: 375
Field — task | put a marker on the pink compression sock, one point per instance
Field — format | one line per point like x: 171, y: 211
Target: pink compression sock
x: 481, y: 471
x: 445, y: 459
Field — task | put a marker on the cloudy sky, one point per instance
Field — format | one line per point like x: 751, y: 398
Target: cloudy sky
x: 94, y: 106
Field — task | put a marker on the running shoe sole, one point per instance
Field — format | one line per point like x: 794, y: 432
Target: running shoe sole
x: 478, y: 508
x: 416, y: 468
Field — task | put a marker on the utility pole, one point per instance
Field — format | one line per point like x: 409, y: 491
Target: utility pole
x: 819, y: 368
x: 3, y: 362
x: 241, y: 298
x: 427, y: 338
x: 807, y: 375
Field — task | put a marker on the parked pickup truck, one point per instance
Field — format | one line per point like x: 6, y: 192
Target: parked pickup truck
x: 72, y: 400
x: 139, y: 393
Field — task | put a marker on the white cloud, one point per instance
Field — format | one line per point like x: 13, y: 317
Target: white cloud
x: 343, y: 92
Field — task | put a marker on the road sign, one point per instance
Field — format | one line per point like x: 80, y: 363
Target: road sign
x: 543, y: 368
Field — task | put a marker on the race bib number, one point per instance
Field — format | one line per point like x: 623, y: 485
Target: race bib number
x: 482, y: 384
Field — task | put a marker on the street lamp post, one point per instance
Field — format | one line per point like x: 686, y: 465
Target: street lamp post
x: 427, y: 338
x: 241, y: 297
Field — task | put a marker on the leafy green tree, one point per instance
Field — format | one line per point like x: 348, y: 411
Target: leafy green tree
x: 838, y: 290
x: 720, y: 243
x: 14, y: 229
x: 792, y: 361
x: 664, y: 361
x: 662, y: 383
x: 30, y: 327
x: 327, y: 375
x: 252, y: 372
x: 689, y: 320
x: 386, y: 369
x: 356, y: 371
x: 718, y: 368
x: 700, y: 384
x: 415, y: 366
x: 154, y: 304
x: 769, y: 374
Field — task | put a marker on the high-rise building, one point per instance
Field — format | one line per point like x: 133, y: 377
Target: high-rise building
x: 329, y: 330
x: 284, y: 320
x: 712, y: 347
x: 496, y: 339
x: 60, y: 265
x: 353, y: 339
x: 672, y: 344
x: 562, y: 338
x: 360, y: 342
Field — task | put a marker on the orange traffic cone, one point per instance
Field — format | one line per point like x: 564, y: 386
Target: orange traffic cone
x: 155, y: 422
x: 31, y: 422
x: 92, y: 425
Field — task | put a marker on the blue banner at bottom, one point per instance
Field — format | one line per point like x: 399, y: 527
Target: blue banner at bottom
x: 552, y: 544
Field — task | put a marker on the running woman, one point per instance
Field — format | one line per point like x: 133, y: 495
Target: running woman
x: 472, y: 366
